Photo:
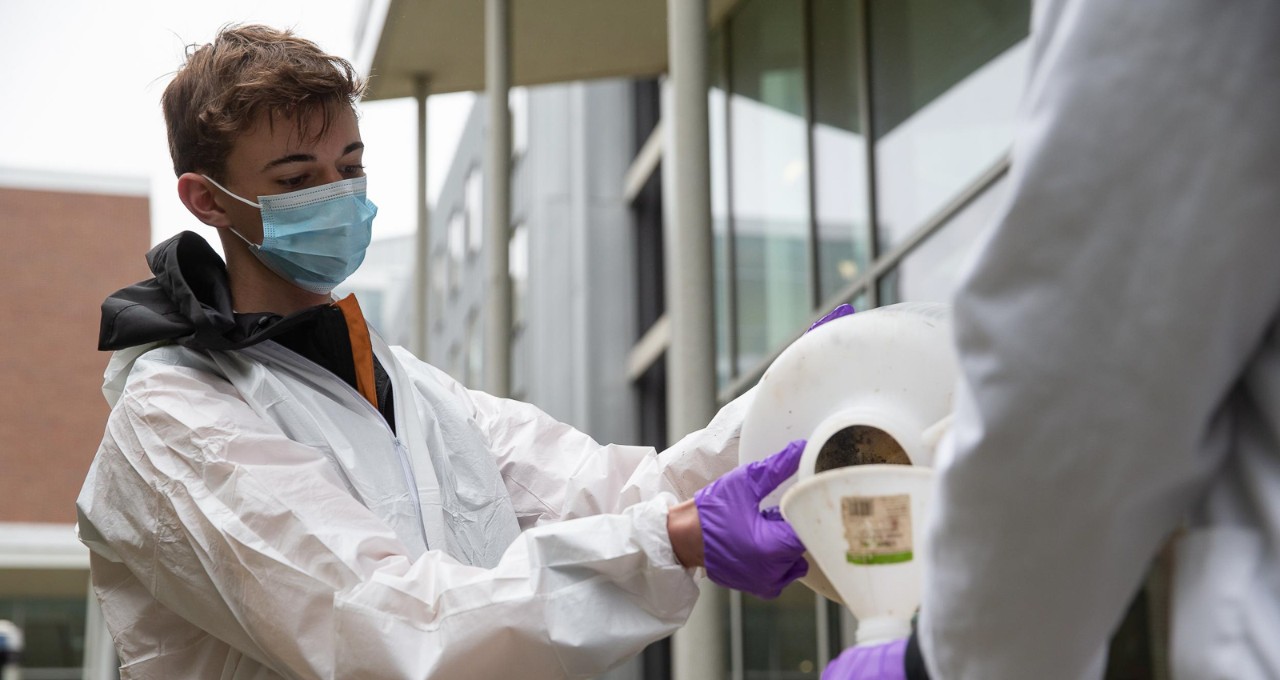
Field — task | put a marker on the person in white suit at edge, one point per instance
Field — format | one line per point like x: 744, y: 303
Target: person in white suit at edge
x: 278, y: 493
x: 1120, y: 361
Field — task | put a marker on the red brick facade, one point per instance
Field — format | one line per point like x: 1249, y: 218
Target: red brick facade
x: 62, y: 253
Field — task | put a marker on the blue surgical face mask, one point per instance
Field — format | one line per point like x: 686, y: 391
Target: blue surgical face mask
x: 314, y: 238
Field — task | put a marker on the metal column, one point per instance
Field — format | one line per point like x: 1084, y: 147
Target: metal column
x: 100, y: 661
x: 422, y: 241
x: 497, y: 309
x: 698, y: 648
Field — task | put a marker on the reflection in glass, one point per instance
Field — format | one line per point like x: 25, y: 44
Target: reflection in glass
x: 474, y: 351
x: 439, y: 277
x: 518, y: 269
x: 931, y: 272
x: 946, y: 78
x: 455, y: 362
x: 839, y: 148
x: 779, y: 636
x: 457, y: 238
x: 769, y: 176
x: 861, y: 301
x: 473, y: 198
x: 518, y: 104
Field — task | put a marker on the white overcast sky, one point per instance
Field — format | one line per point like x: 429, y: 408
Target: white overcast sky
x: 82, y: 81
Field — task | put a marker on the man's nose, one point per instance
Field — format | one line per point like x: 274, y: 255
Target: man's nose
x: 330, y: 175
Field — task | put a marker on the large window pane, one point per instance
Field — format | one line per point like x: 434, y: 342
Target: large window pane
x: 931, y: 271
x: 946, y: 80
x: 769, y: 189
x: 53, y: 628
x: 839, y: 148
x: 779, y: 636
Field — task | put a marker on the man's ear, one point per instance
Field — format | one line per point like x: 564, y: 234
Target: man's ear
x: 198, y: 196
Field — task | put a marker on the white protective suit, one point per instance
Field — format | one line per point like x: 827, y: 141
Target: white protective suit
x: 1120, y: 356
x: 252, y: 516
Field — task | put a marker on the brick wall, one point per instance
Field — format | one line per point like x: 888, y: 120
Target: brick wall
x: 60, y: 255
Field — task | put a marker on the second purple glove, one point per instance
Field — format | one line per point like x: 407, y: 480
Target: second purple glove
x: 874, y: 662
x: 841, y: 310
x: 746, y: 548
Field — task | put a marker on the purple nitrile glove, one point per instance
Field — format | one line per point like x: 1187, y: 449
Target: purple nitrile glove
x: 843, y: 310
x: 873, y: 662
x: 747, y: 548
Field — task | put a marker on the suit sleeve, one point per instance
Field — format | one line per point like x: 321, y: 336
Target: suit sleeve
x: 1104, y: 330
x: 555, y: 472
x: 254, y: 538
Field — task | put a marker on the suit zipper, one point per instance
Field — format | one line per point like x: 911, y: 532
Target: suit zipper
x: 284, y: 355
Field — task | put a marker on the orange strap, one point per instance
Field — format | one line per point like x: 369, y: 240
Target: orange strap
x: 361, y: 347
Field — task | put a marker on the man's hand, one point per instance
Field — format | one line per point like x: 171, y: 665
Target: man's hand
x: 685, y: 533
x: 742, y: 546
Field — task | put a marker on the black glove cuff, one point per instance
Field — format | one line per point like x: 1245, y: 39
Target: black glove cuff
x: 914, y: 660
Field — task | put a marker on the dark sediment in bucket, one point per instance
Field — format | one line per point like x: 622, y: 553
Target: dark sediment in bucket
x: 860, y: 445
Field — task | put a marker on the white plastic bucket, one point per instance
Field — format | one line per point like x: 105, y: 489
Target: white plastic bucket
x: 892, y: 368
x: 864, y: 527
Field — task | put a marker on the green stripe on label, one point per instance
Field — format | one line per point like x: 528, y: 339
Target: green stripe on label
x: 890, y: 558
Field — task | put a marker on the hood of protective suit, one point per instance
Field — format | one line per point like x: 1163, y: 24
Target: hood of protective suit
x: 188, y: 302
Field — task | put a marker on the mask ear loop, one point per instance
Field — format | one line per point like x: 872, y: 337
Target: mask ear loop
x: 251, y: 244
x: 232, y: 195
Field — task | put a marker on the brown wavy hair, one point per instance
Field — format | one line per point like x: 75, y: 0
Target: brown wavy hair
x: 225, y: 86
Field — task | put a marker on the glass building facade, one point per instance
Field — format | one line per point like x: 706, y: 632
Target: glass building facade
x: 859, y: 153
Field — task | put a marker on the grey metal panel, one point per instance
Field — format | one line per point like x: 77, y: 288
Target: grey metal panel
x: 570, y: 358
x: 609, y: 321
x: 448, y: 325
x: 549, y: 357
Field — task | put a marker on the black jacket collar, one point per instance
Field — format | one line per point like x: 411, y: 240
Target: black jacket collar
x: 188, y: 302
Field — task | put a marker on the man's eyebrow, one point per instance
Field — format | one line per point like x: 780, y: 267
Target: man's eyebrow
x: 306, y: 157
x: 291, y: 158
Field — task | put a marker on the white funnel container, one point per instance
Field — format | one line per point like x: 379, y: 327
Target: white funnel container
x: 891, y: 368
x: 864, y: 526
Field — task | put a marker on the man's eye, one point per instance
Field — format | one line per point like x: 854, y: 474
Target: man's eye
x: 353, y: 170
x: 292, y: 182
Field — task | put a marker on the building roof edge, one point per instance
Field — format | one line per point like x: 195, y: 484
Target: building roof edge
x: 28, y: 545
x: 39, y: 179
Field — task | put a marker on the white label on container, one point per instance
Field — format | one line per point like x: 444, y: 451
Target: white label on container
x: 878, y: 529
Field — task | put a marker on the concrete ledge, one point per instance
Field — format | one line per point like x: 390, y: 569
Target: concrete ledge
x: 34, y: 179
x: 41, y: 546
